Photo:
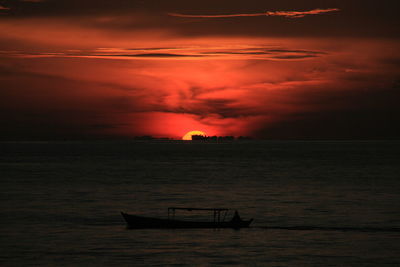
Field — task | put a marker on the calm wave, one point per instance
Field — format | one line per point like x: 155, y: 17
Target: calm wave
x: 314, y: 203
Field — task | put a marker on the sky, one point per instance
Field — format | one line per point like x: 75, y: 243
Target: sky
x: 267, y: 69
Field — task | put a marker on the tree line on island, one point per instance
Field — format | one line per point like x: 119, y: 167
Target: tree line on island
x: 218, y: 138
x: 196, y: 138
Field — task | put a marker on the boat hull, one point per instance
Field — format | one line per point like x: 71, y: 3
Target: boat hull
x: 139, y: 222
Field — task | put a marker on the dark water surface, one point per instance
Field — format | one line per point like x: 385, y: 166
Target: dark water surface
x: 314, y: 203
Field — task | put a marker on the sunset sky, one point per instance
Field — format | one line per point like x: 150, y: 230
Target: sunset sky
x: 268, y: 69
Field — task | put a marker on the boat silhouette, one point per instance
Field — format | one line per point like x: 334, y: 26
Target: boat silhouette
x: 141, y: 222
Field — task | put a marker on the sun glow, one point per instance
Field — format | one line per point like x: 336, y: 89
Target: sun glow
x: 189, y: 135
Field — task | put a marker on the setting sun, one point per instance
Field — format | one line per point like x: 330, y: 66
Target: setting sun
x: 189, y: 135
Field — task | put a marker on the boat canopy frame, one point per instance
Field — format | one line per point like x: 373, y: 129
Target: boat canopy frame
x: 216, y: 212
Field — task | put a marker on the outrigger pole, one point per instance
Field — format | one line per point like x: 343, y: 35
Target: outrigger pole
x: 217, y: 212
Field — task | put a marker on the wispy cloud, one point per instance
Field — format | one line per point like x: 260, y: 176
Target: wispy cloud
x: 301, y: 14
x: 190, y: 53
x: 287, y: 14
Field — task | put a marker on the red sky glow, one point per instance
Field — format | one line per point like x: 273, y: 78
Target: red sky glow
x: 130, y: 69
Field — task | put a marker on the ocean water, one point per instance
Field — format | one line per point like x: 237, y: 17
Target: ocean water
x: 314, y: 203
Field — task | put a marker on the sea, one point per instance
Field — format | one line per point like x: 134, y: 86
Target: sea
x: 314, y: 203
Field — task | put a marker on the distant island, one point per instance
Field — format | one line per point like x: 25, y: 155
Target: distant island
x: 219, y: 138
x: 195, y: 138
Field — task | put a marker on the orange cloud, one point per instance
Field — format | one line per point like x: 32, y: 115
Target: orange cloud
x: 287, y: 14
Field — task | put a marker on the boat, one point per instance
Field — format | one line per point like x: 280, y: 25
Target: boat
x: 141, y: 222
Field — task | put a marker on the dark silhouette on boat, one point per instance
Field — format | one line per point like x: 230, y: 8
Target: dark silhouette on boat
x: 140, y: 222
